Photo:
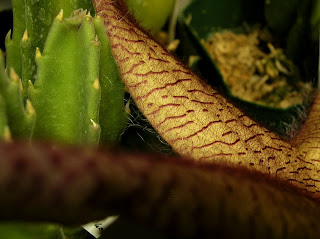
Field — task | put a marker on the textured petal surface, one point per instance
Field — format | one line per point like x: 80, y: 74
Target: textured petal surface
x: 192, y: 117
x: 72, y: 185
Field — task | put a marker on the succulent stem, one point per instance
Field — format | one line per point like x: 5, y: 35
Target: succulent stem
x: 13, y: 54
x: 112, y: 118
x: 65, y: 94
x: 20, y: 121
x: 4, y: 128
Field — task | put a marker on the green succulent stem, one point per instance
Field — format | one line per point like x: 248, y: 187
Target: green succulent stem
x: 28, y: 68
x: 77, y: 94
x: 55, y: 64
x: 113, y: 118
x: 4, y: 128
x: 66, y: 92
x: 20, y: 115
x: 40, y: 15
x: 13, y: 52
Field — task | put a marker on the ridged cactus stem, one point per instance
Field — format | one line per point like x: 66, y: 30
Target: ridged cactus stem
x: 112, y: 115
x: 5, y: 134
x: 36, y: 17
x: 20, y: 115
x: 39, y: 17
x: 13, y: 39
x: 65, y: 82
x: 66, y: 93
x: 28, y: 67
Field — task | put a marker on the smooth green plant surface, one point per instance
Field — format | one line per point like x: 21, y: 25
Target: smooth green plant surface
x: 152, y: 14
x: 112, y: 116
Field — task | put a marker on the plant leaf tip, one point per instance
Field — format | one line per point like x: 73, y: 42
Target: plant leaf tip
x: 60, y: 15
x: 95, y: 126
x: 96, y: 41
x: 9, y: 35
x: 14, y: 76
x: 127, y: 107
x: 25, y: 35
x: 38, y: 53
x: 88, y: 16
x: 21, y: 87
x: 29, y: 108
x: 96, y: 84
x: 7, y: 135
